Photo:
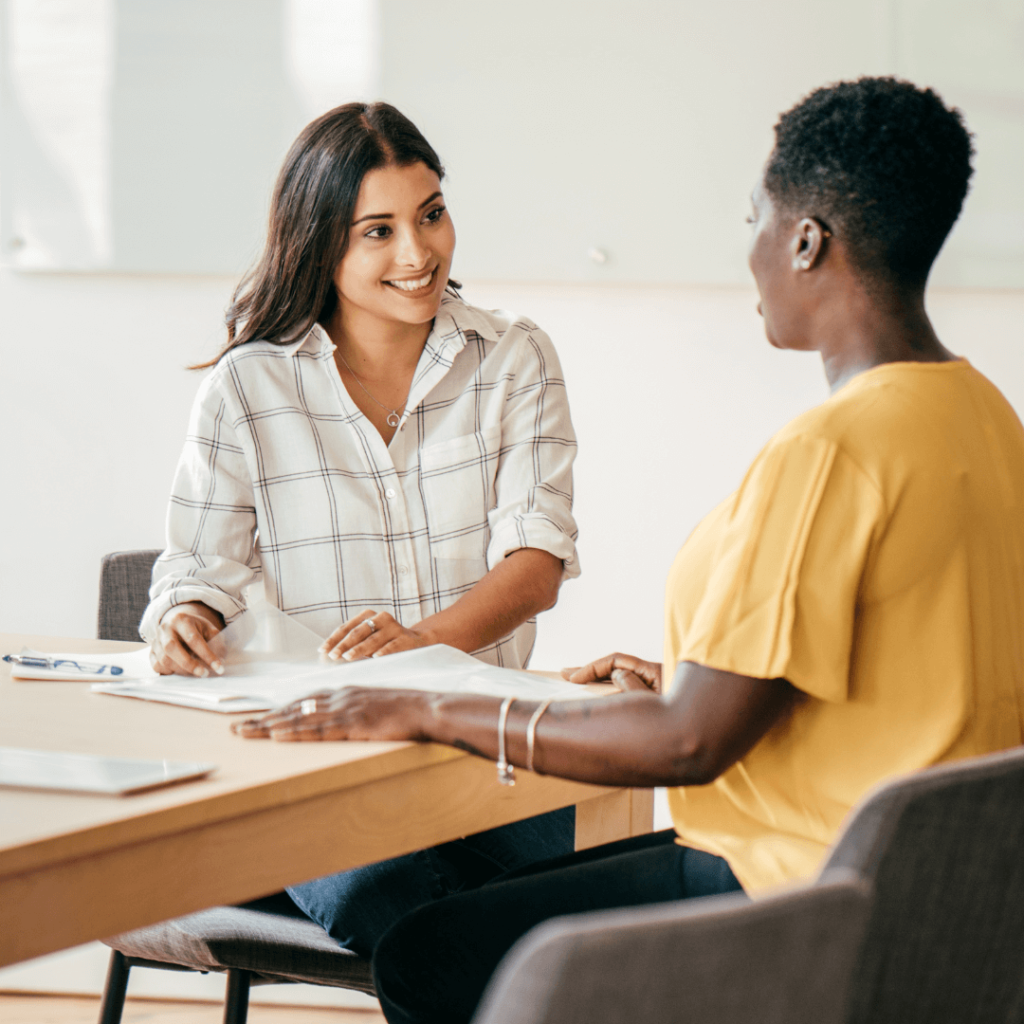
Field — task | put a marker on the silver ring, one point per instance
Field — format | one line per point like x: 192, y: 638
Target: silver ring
x: 308, y: 706
x: 372, y: 625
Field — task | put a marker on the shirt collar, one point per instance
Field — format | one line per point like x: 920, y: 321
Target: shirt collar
x: 454, y: 318
x: 315, y: 340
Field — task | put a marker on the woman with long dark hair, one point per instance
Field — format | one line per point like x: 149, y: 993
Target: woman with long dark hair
x: 393, y: 463
x: 853, y: 611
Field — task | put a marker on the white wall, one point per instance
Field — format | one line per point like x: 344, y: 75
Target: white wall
x: 573, y: 124
x: 585, y: 123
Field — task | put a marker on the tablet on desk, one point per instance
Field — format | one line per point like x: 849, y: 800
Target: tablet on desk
x: 89, y: 773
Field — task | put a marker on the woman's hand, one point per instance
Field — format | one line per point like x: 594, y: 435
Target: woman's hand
x: 353, y: 713
x: 624, y: 670
x: 371, y: 634
x: 182, y: 638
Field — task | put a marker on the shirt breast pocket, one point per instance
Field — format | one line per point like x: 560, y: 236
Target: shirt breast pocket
x: 458, y: 477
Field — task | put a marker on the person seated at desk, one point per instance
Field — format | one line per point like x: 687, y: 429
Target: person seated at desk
x: 394, y: 463
x: 853, y: 611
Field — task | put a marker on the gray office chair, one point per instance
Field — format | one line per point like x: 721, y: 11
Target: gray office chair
x: 785, y: 959
x: 124, y: 593
x: 266, y: 942
x: 942, y: 852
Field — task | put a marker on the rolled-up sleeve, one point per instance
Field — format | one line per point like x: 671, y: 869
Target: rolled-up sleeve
x: 211, y: 552
x: 533, y: 486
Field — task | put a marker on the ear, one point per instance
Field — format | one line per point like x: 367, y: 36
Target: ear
x: 808, y: 242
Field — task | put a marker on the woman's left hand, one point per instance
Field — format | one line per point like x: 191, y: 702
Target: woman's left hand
x: 353, y: 713
x: 371, y: 634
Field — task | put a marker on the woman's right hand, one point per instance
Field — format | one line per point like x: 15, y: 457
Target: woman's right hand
x: 182, y: 638
x: 624, y: 670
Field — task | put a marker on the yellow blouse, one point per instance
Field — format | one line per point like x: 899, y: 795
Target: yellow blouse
x: 874, y: 557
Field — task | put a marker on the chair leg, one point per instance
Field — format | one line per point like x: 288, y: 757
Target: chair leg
x: 114, y: 992
x: 236, y: 1005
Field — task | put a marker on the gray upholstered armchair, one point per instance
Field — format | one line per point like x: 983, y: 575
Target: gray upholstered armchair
x: 918, y: 918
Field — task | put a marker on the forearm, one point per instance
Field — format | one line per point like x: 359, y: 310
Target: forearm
x: 520, y: 586
x: 707, y: 722
x: 631, y: 739
x: 688, y: 737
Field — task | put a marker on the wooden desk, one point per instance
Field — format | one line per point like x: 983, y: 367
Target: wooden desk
x: 78, y: 867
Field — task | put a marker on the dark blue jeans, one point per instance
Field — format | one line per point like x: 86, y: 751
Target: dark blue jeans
x: 357, y: 907
x: 433, y: 965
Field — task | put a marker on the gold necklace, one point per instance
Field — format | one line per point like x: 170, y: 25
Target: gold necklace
x: 394, y: 415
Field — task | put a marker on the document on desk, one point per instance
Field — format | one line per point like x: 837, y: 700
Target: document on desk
x: 30, y: 664
x: 437, y: 668
x: 272, y: 660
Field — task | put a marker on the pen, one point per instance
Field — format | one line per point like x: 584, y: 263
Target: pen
x: 32, y: 661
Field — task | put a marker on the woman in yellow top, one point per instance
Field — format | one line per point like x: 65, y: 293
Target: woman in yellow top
x: 855, y: 610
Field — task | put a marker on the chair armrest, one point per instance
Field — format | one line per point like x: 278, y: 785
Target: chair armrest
x: 721, y: 960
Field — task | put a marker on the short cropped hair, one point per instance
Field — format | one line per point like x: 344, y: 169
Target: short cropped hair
x: 883, y: 164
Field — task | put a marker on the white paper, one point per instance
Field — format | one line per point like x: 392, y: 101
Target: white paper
x: 271, y: 660
x: 133, y: 665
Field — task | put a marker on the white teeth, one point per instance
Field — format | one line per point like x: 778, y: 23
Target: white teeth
x: 411, y: 286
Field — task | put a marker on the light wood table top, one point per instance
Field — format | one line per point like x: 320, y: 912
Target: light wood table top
x: 76, y: 867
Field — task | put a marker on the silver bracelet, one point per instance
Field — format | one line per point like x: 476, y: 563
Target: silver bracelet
x: 506, y: 772
x: 531, y: 732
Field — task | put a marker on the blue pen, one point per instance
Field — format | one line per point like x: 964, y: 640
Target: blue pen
x: 31, y: 661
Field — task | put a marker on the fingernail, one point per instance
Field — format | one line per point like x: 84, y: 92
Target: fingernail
x: 376, y: 654
x: 322, y: 649
x: 218, y: 667
x: 334, y: 655
x: 201, y: 672
x: 349, y: 655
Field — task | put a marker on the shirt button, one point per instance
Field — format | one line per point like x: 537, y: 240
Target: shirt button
x: 390, y: 492
x: 403, y: 570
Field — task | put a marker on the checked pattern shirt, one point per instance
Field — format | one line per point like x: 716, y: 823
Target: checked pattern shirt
x: 283, y: 479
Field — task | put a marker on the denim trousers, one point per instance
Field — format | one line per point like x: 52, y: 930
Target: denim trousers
x: 357, y: 907
x: 432, y: 967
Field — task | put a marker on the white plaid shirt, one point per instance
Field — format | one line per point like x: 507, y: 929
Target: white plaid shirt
x: 283, y: 477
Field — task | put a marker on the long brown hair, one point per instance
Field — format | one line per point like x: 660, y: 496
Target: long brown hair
x: 291, y: 287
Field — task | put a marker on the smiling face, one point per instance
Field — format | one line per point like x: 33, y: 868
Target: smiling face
x: 773, y: 256
x: 400, y: 248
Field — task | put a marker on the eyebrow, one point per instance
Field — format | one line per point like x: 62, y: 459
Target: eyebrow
x: 388, y: 216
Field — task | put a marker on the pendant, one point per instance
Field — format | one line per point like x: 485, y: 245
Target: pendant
x: 393, y: 420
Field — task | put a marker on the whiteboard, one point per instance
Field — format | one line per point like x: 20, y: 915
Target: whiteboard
x: 144, y: 136
x: 586, y: 140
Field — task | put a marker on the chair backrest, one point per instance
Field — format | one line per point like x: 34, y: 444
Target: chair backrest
x: 944, y: 852
x: 124, y: 593
x: 784, y: 959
